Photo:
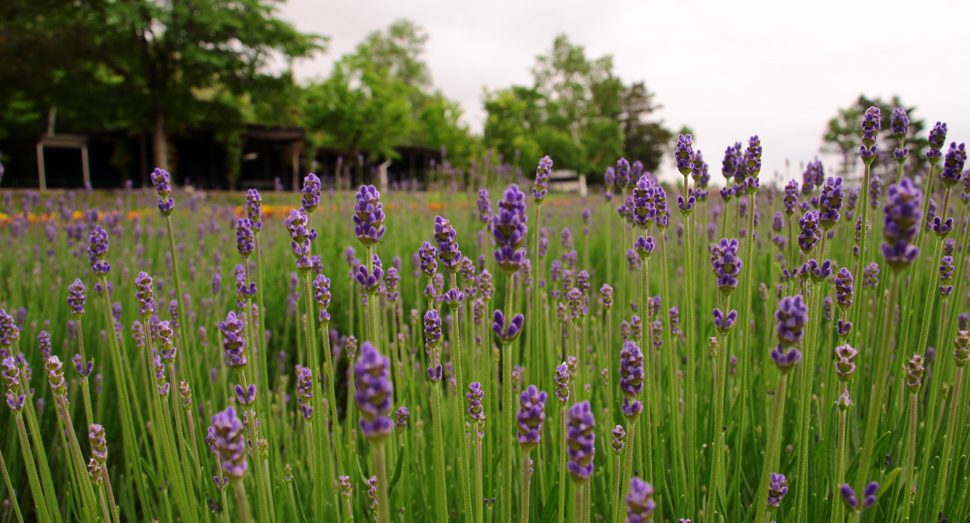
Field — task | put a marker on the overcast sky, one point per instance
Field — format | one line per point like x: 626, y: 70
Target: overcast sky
x: 779, y: 69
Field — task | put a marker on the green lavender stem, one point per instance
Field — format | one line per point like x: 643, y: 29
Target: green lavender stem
x: 878, y: 386
x: 320, y: 447
x: 243, y: 504
x: 40, y: 508
x: 690, y: 338
x: 526, y: 475
x: 13, y: 498
x: 562, y: 463
x: 955, y: 410
x: 929, y: 301
x: 910, y: 456
x: 129, y: 439
x: 439, y: 456
x: 507, y: 411
x: 380, y: 466
x: 631, y: 438
x: 647, y: 379
x: 771, y: 451
x: 463, y: 472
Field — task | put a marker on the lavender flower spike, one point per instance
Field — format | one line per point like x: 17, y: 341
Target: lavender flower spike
x: 726, y: 265
x: 580, y: 441
x: 75, y: 298
x: 373, y: 394
x: 541, y: 184
x: 685, y: 154
x: 311, y: 192
x: 777, y: 490
x: 509, y: 230
x: 530, y: 417
x: 900, y: 224
x: 448, y: 251
x: 562, y: 383
x: 369, y: 216
x: 507, y: 333
x: 631, y: 379
x: 639, y: 502
x: 97, y: 251
x: 227, y: 441
x: 162, y: 181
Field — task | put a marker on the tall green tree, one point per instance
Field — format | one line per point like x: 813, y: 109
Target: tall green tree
x: 843, y: 136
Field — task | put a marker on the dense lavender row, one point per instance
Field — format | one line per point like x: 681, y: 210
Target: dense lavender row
x: 754, y: 355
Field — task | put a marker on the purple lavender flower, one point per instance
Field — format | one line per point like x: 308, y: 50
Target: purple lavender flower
x: 304, y: 391
x: 542, y: 179
x: 162, y: 181
x: 752, y: 159
x: 962, y: 352
x: 623, y: 178
x: 311, y: 193
x: 830, y: 202
x: 809, y: 235
x: 474, y: 398
x: 900, y: 123
x: 509, y: 230
x: 619, y: 438
x: 75, y: 298
x: 427, y: 254
x: 684, y: 154
x: 254, y: 209
x: 530, y: 417
x: 233, y: 340
x: 244, y: 237
x: 484, y: 206
x: 631, y: 379
x: 227, y: 442
x: 791, y: 197
x: 644, y: 203
x: 562, y: 383
x: 726, y: 265
x: 373, y: 394
x: 914, y: 373
x: 401, y: 416
x: 607, y: 292
x: 953, y: 163
x: 777, y: 490
x: 902, y: 216
x: 97, y: 251
x: 843, y: 288
x: 639, y: 502
x: 729, y: 165
x: 792, y: 316
x: 580, y: 441
x: 868, y: 496
x: 448, y: 251
x: 44, y: 344
x: 724, y: 322
x: 370, y: 281
x: 507, y: 333
x: 845, y: 367
x: 871, y: 123
x: 644, y: 246
x: 936, y: 139
x: 369, y: 216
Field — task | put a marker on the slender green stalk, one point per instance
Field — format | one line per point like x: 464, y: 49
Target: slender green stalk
x: 383, y: 503
x: 949, y: 436
x: 579, y: 509
x: 320, y: 446
x: 242, y: 503
x: 878, y: 386
x: 11, y: 494
x: 840, y: 452
x: 507, y: 411
x: 479, y: 490
x: 690, y: 339
x: 771, y: 451
x: 647, y: 380
x: 910, y: 457
x: 526, y: 477
x: 130, y: 441
x: 463, y: 468
x: 40, y: 508
x: 929, y: 300
x: 562, y: 462
x: 441, y: 488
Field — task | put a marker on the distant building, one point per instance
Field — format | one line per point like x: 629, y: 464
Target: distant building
x: 107, y: 159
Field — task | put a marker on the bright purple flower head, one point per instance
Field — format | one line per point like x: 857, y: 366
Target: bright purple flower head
x: 227, y: 442
x: 484, y: 207
x: 474, y: 398
x: 871, y: 123
x: 791, y: 197
x: 607, y: 292
x: 900, y: 224
x: 900, y: 122
x: 953, y: 163
x: 726, y: 264
x: 507, y: 333
x: 792, y: 316
x: 369, y: 216
x: 843, y: 288
x: 254, y: 209
x: 97, y: 251
x: 562, y: 383
x: 244, y: 237
x: 401, y: 416
x: 724, y: 322
x: 644, y: 246
x: 373, y: 393
x: 542, y: 179
x: 530, y: 417
x: 311, y: 192
x: 580, y: 441
x: 639, y: 502
x: 685, y: 154
x: 752, y: 157
x: 446, y: 237
x: 426, y: 255
x: 845, y: 356
x: 75, y: 297
x: 868, y: 496
x: 777, y: 490
x: 936, y: 139
x: 830, y: 202
x: 304, y: 391
x: 370, y: 281
x: 623, y: 178
x: 809, y: 236
x: 233, y: 340
x: 509, y: 230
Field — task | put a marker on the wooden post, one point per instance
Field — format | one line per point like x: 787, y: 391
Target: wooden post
x: 41, y: 173
x: 85, y: 167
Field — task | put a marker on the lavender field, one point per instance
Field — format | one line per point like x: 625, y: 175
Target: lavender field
x: 489, y: 350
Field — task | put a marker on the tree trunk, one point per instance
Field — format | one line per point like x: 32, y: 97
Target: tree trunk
x: 159, y: 141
